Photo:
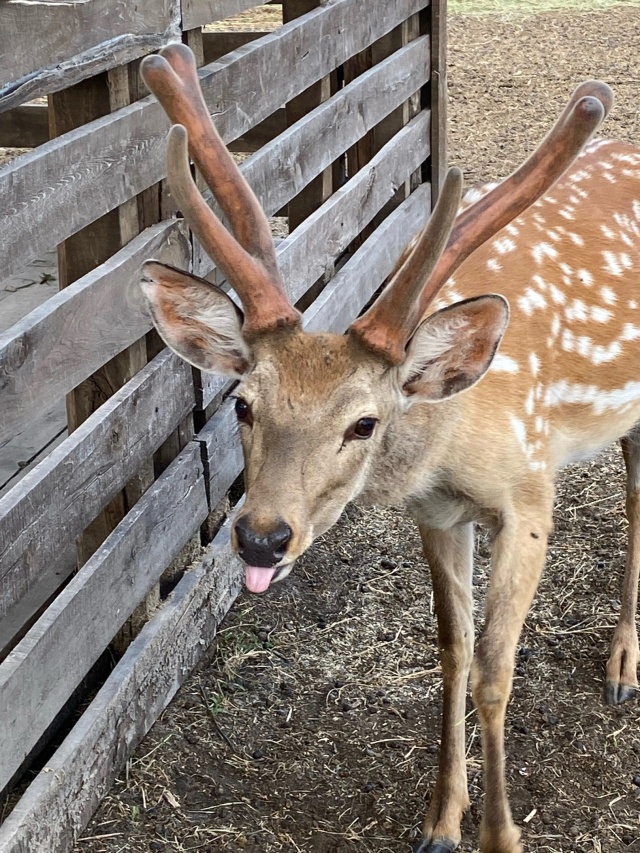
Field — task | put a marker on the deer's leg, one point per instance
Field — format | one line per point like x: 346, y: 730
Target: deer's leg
x: 450, y: 556
x: 622, y: 666
x: 518, y: 558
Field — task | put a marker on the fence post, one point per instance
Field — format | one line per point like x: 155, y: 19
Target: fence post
x: 438, y: 94
x: 318, y: 190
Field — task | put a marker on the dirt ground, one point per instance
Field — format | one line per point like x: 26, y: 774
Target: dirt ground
x: 315, y: 725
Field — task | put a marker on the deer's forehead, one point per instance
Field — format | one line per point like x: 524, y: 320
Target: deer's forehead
x: 312, y: 369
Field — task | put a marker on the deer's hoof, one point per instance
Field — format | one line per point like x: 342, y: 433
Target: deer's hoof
x: 423, y: 845
x: 616, y: 693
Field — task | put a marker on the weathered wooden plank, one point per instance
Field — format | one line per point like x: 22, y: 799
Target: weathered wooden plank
x: 223, y: 456
x: 18, y: 454
x: 329, y: 231
x: 217, y: 44
x: 59, y: 803
x: 24, y: 127
x: 261, y: 134
x: 438, y: 94
x: 59, y: 188
x: 320, y: 188
x: 338, y: 304
x: 67, y: 338
x: 83, y: 39
x: 85, y: 251
x: 54, y: 503
x: 362, y: 152
x: 195, y: 13
x: 354, y: 285
x: 315, y: 141
x: 45, y: 667
x: 314, y: 246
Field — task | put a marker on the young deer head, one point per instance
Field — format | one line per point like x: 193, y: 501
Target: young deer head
x: 319, y: 413
x: 394, y: 412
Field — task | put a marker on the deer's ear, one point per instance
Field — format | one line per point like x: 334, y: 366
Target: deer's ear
x: 453, y: 348
x: 196, y: 319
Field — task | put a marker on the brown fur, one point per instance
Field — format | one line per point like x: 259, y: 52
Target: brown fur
x: 559, y: 388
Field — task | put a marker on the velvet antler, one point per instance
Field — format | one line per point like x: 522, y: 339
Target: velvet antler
x: 247, y: 258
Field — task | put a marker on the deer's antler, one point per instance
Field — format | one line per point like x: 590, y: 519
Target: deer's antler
x: 387, y: 326
x: 247, y: 258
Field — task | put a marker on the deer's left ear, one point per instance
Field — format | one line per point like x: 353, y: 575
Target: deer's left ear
x: 196, y: 319
x: 452, y: 349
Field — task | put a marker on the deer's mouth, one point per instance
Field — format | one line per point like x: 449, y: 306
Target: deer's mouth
x: 258, y: 579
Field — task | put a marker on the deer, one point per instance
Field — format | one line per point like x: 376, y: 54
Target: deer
x: 503, y: 347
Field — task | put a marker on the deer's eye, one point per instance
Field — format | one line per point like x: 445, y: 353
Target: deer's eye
x: 243, y: 411
x: 361, y: 429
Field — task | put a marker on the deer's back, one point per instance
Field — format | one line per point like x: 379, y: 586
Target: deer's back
x: 566, y: 380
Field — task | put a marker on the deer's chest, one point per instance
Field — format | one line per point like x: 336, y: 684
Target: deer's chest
x: 442, y: 508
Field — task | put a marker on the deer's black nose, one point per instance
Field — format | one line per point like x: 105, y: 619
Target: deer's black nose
x: 262, y: 548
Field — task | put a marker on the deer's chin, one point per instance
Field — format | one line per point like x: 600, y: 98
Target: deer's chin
x: 258, y: 579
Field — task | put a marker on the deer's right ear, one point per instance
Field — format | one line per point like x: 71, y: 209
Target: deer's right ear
x: 452, y: 349
x: 196, y: 319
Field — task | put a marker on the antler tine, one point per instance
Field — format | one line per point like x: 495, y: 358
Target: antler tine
x: 478, y: 223
x: 264, y: 306
x: 390, y: 321
x: 249, y: 260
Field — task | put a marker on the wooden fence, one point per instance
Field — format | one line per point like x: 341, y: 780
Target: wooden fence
x: 343, y: 107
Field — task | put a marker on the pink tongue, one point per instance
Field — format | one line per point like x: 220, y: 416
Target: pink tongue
x: 257, y: 578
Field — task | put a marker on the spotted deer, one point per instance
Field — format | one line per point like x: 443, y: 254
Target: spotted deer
x: 394, y: 412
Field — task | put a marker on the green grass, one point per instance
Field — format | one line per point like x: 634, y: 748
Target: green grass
x: 528, y: 7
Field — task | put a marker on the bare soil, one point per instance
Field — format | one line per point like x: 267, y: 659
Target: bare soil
x: 314, y: 727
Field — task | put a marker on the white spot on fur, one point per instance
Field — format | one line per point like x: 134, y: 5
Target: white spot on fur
x: 576, y: 311
x: 565, y: 393
x: 600, y: 315
x: 616, y: 263
x: 567, y: 342
x: 493, y: 265
x: 585, y: 277
x: 608, y: 295
x: 630, y: 332
x: 529, y: 403
x: 504, y: 364
x: 519, y: 430
x: 534, y: 363
x: 584, y: 346
x: 600, y: 354
x: 557, y: 295
x: 504, y: 245
x: 543, y: 250
x: 540, y: 282
x: 531, y: 300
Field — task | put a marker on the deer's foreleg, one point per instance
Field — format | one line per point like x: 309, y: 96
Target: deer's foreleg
x: 518, y: 557
x: 450, y: 556
x: 622, y: 666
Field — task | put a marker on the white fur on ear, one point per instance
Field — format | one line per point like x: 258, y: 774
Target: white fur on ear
x: 196, y: 319
x: 427, y: 347
x: 452, y: 349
